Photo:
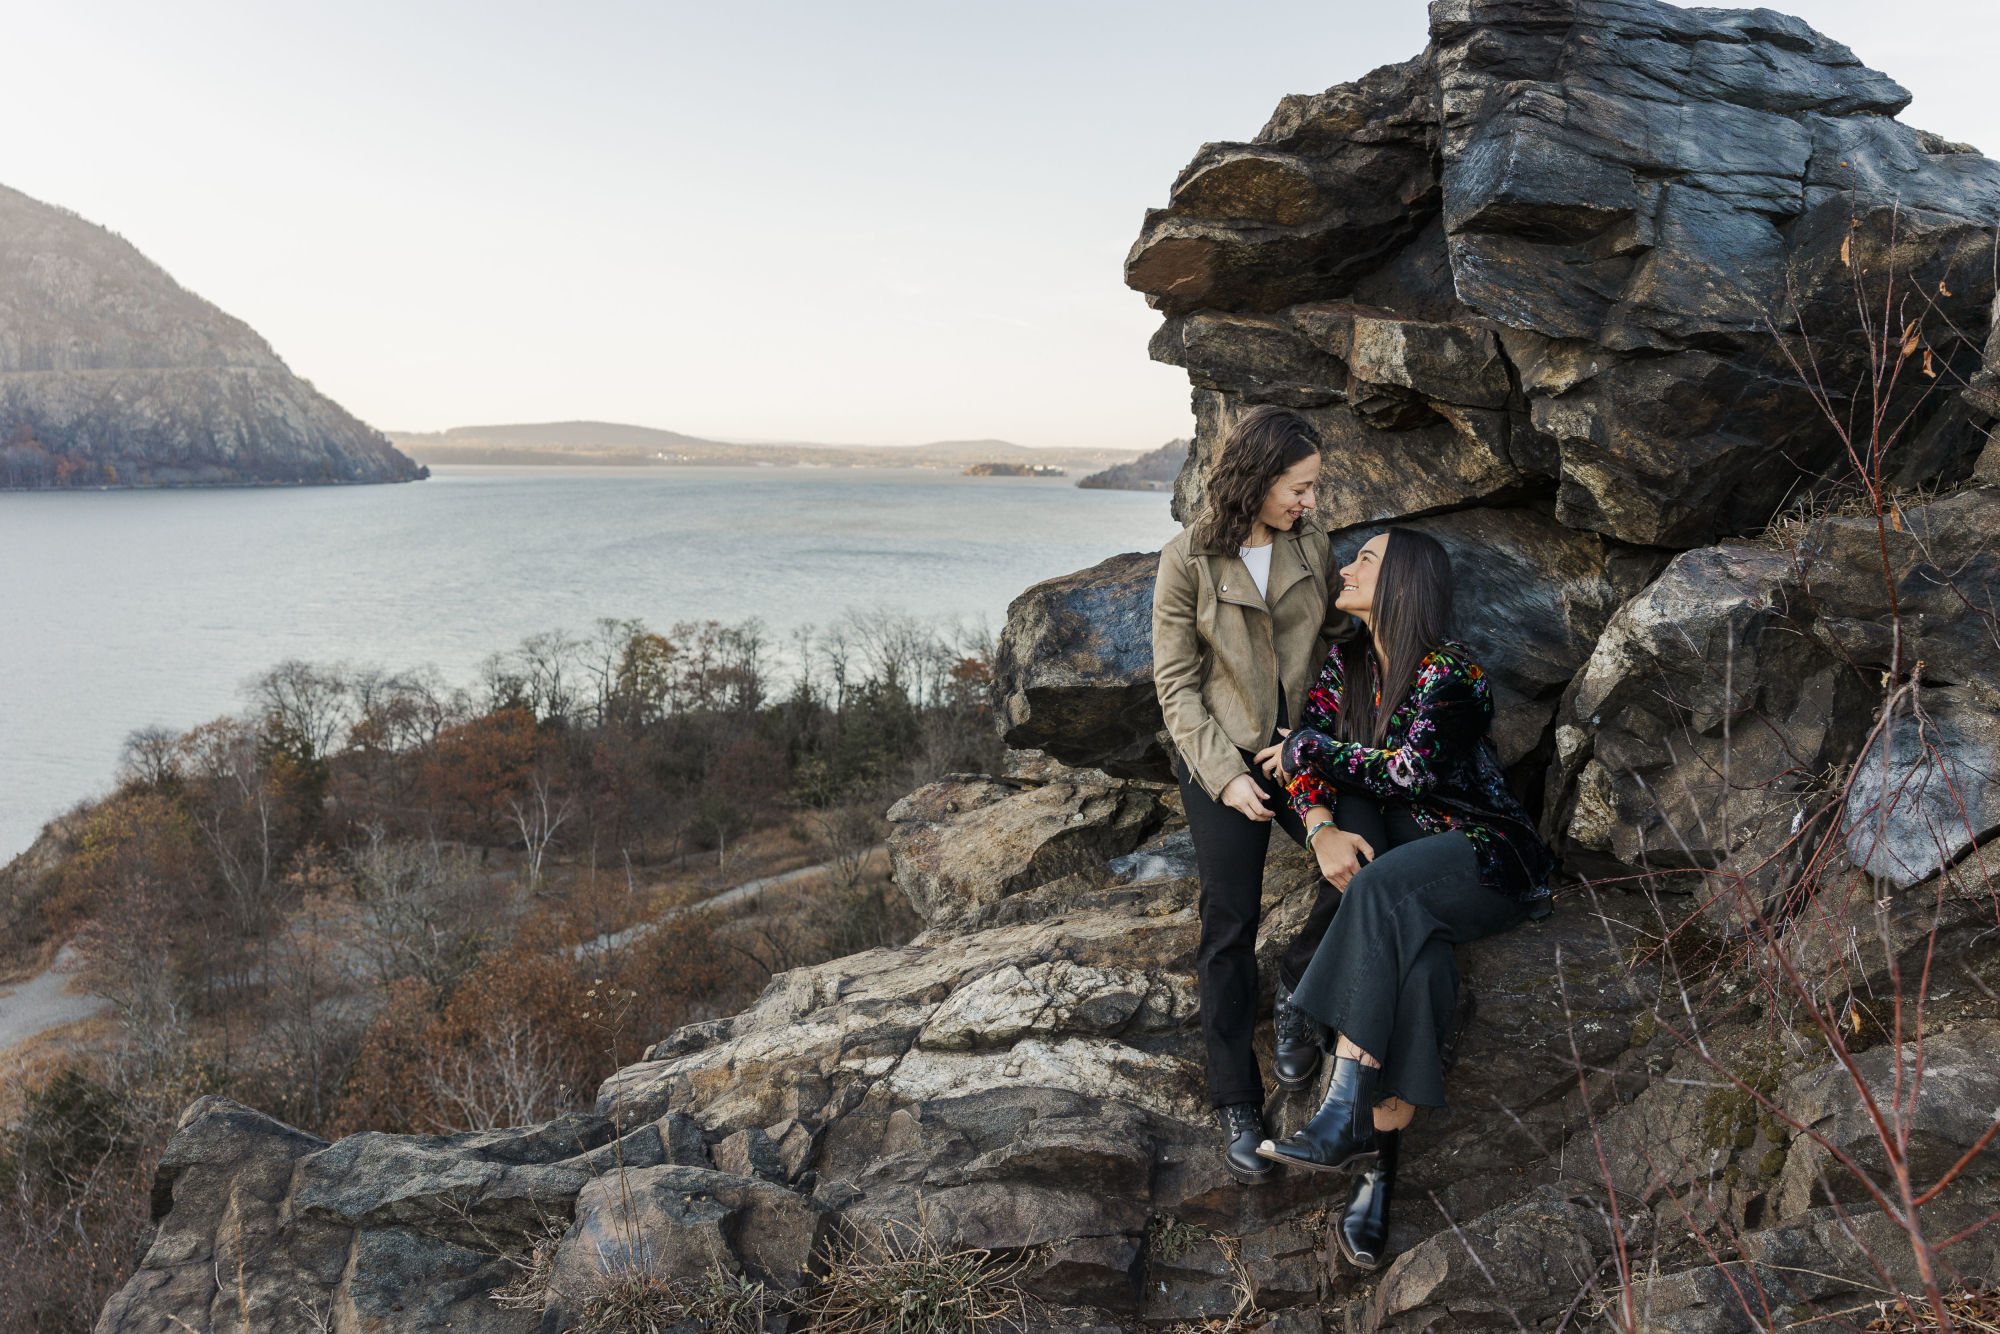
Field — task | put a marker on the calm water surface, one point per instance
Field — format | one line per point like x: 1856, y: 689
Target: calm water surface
x: 120, y: 609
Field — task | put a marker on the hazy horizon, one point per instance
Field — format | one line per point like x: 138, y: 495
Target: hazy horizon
x: 395, y: 432
x: 780, y: 223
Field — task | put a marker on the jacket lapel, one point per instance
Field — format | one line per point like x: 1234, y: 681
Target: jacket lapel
x: 1232, y: 577
x: 1233, y: 582
x: 1288, y: 564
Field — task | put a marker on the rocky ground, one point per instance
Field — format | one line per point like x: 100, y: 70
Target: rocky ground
x: 1553, y: 291
x: 1023, y: 1078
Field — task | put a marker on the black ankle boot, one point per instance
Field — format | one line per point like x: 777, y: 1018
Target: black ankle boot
x: 1242, y: 1131
x: 1341, y: 1135
x: 1363, y: 1231
x: 1297, y: 1058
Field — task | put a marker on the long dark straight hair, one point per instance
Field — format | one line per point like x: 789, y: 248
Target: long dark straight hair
x: 1412, y: 614
x: 1264, y: 443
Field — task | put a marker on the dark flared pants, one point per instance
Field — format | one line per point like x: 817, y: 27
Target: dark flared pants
x: 1384, y: 974
x: 1229, y: 852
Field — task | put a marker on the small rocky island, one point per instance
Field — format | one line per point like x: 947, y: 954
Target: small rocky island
x: 114, y: 375
x: 1014, y: 470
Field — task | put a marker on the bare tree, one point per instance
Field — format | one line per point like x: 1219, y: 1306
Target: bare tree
x: 851, y: 834
x: 232, y: 803
x: 509, y: 1078
x: 1842, y: 961
x: 150, y: 756
x: 307, y: 703
x: 306, y: 976
x: 538, y: 814
x: 424, y: 912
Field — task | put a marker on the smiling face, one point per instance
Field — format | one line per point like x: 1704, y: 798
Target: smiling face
x: 1291, y: 496
x: 1357, y: 581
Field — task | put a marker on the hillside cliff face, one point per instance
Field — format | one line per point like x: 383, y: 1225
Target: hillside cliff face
x: 111, y: 373
x: 1517, y: 282
x: 1151, y: 471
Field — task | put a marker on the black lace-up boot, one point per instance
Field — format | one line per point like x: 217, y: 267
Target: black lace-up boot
x: 1242, y: 1131
x: 1298, y: 1047
x: 1363, y: 1233
x: 1341, y: 1135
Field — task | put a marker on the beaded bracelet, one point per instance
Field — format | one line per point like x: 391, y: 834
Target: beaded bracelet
x: 1310, y: 833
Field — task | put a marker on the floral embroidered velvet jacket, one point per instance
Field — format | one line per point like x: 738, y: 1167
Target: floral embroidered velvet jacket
x: 1438, y: 757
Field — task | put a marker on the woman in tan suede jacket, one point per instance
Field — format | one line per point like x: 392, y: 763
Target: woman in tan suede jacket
x: 1242, y: 619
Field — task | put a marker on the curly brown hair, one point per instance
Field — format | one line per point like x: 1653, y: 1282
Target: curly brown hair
x: 1264, y: 443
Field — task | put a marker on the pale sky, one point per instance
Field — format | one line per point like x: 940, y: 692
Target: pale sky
x: 869, y: 222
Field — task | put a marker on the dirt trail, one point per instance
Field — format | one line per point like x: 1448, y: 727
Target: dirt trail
x: 44, y: 1002
x: 735, y: 894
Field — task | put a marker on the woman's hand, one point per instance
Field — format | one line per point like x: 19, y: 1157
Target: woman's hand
x: 1271, y: 759
x: 1245, y: 798
x: 1340, y: 854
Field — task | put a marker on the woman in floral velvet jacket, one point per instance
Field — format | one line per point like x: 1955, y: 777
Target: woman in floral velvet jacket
x: 1397, y: 738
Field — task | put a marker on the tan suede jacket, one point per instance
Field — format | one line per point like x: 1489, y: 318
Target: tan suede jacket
x: 1220, y: 651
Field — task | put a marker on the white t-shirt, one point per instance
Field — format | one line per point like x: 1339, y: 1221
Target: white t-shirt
x: 1259, y: 561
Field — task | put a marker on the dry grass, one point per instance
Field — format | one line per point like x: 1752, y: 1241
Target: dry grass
x: 1169, y: 1239
x: 637, y: 1302
x: 904, y: 1281
x: 1974, y: 1310
x: 1788, y: 528
x: 530, y: 1289
x: 29, y: 1064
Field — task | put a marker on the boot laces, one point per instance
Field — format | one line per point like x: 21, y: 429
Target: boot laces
x: 1242, y: 1118
x: 1293, y: 1025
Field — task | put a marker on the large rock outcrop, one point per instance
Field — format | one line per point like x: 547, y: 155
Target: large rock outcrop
x: 1717, y: 711
x: 1574, y: 290
x: 1074, y: 671
x: 1554, y: 251
x: 111, y: 373
x: 962, y: 848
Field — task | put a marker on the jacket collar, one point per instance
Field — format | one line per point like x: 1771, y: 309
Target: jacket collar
x: 1295, y: 535
x: 1288, y: 566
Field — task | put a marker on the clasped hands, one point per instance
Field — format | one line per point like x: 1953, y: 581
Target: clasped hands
x: 1339, y: 853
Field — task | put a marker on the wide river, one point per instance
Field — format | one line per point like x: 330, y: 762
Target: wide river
x: 121, y: 609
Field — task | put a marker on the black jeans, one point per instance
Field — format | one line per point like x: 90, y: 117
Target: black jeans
x: 1229, y: 851
x: 1384, y: 974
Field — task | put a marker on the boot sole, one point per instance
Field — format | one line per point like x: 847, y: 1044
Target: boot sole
x: 1303, y: 1081
x: 1250, y: 1178
x: 1359, y: 1162
x: 1347, y: 1254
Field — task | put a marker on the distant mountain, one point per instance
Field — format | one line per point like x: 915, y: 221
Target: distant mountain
x: 592, y: 442
x: 579, y: 435
x: 976, y: 449
x: 111, y: 373
x: 1154, y: 471
x: 589, y: 435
